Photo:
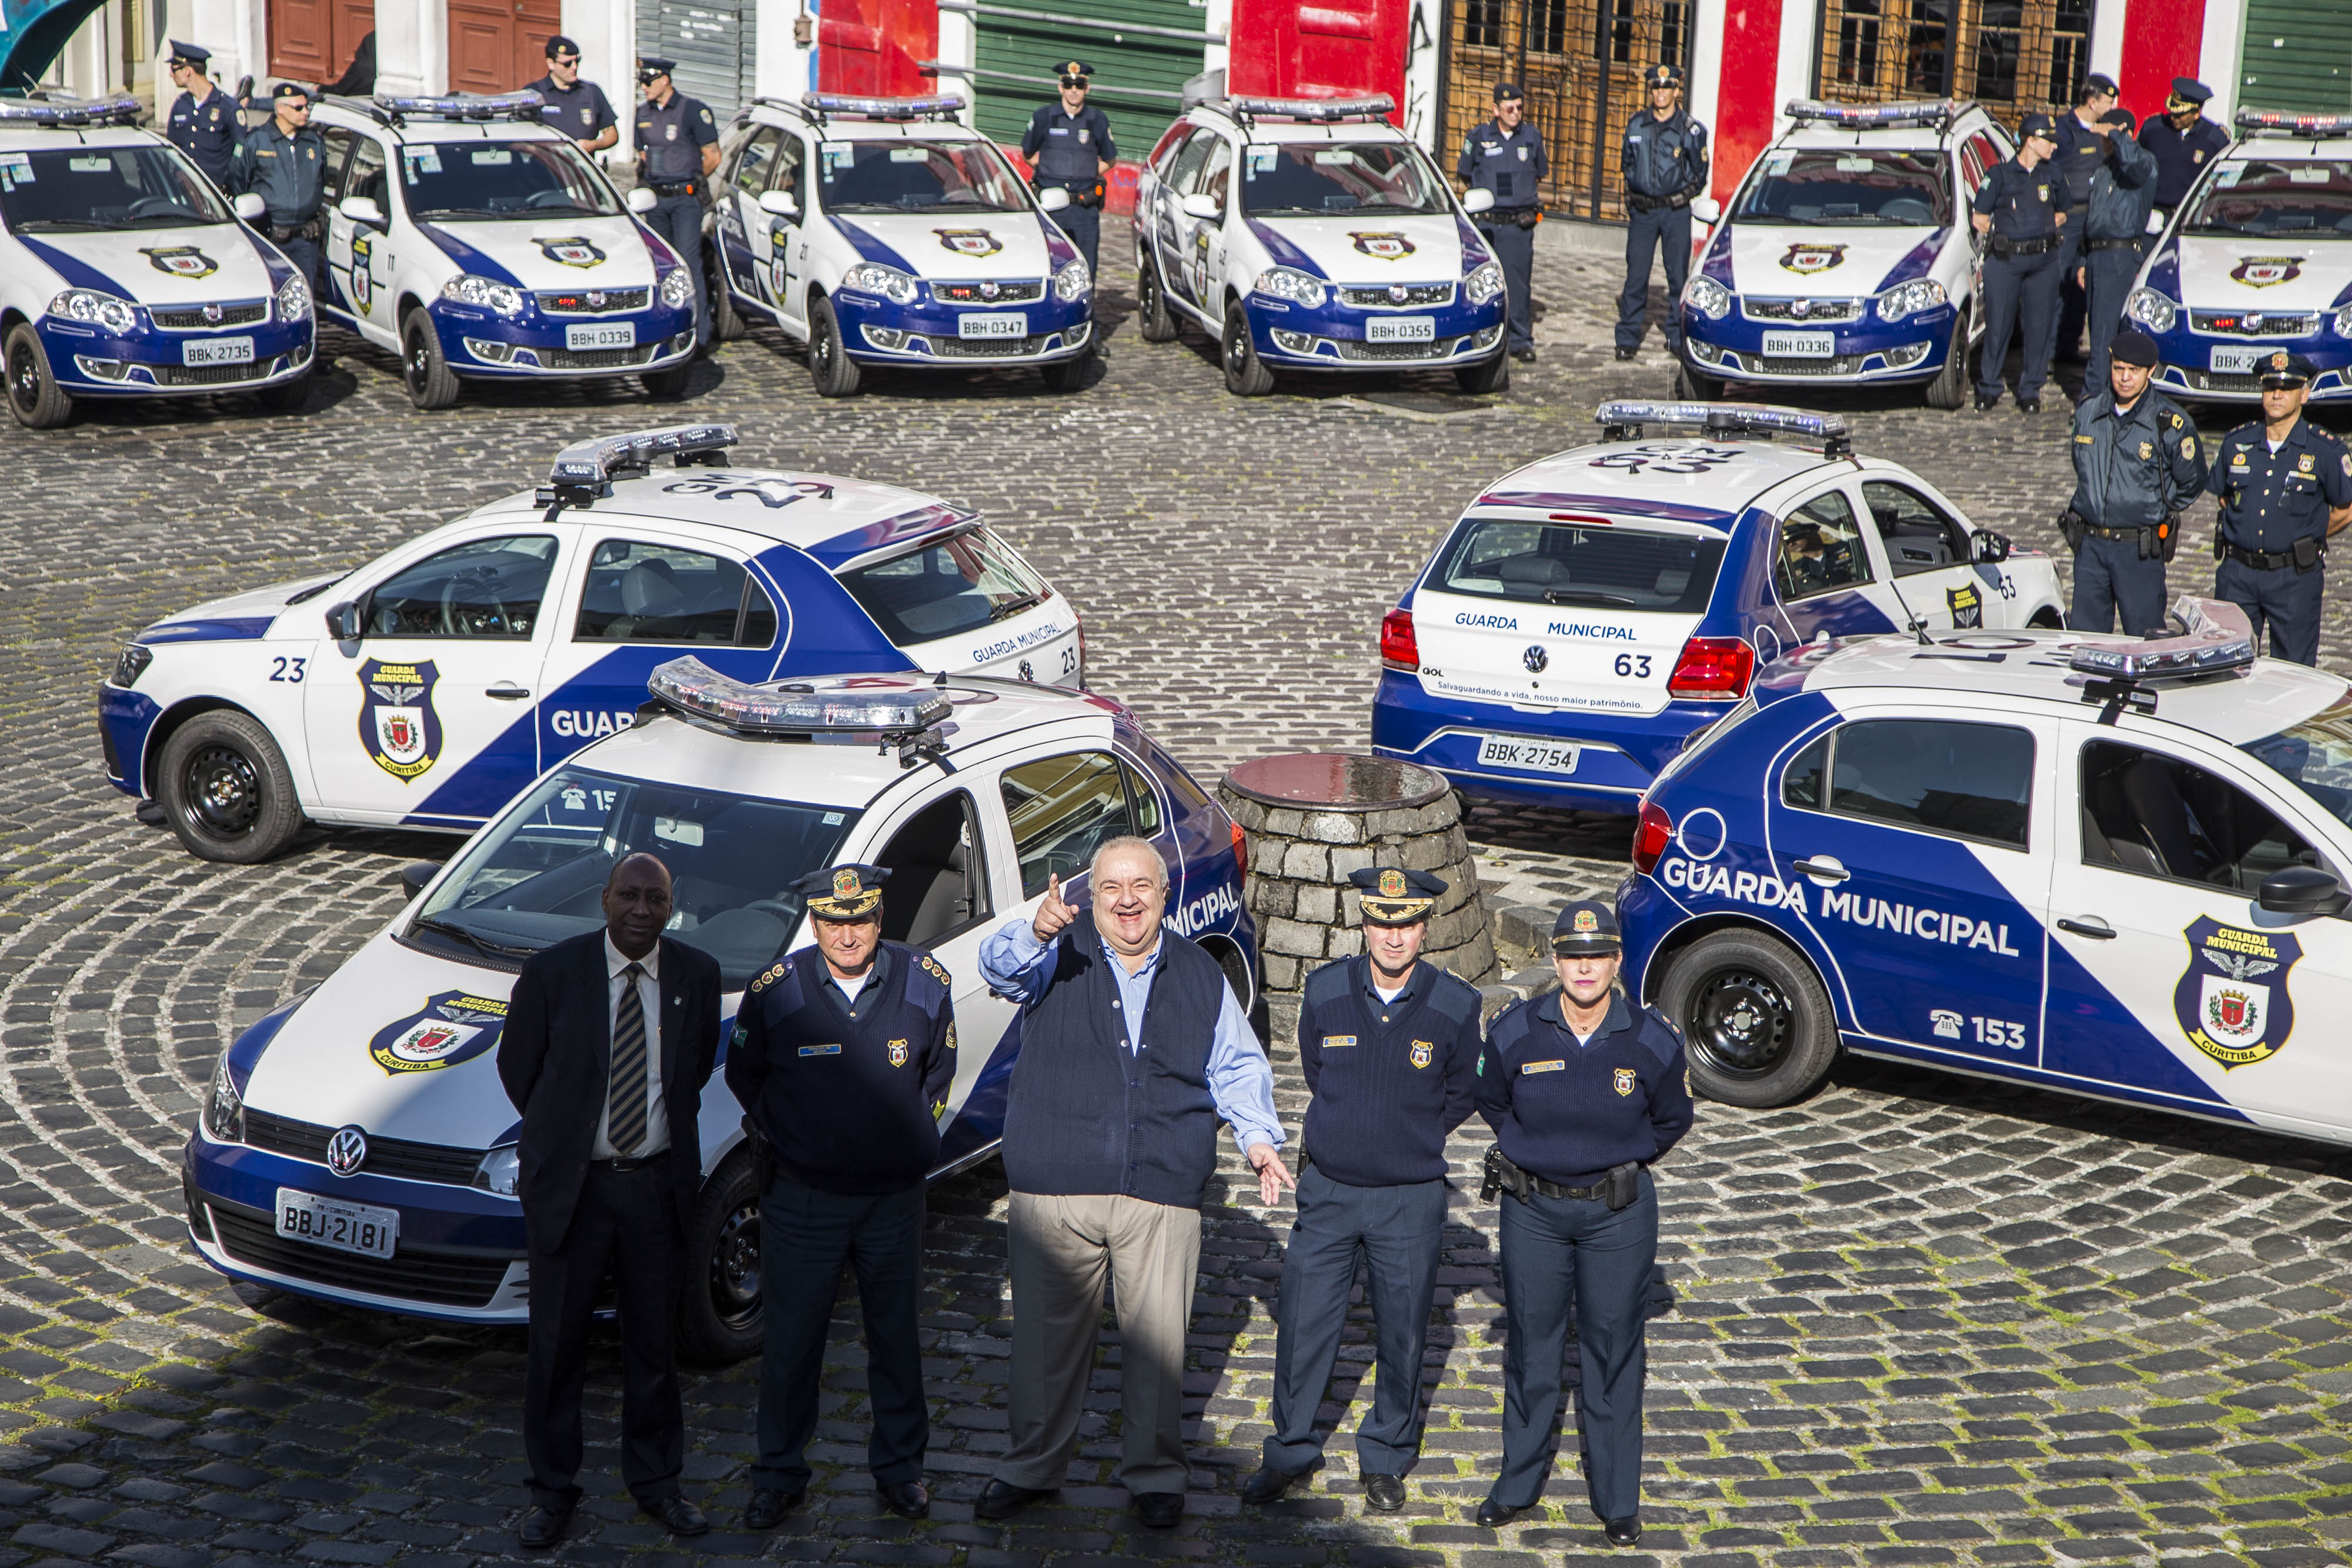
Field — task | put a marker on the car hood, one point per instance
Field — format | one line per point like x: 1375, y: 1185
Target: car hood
x: 1371, y: 248
x: 554, y: 253
x: 2239, y: 272
x: 940, y: 244
x: 250, y: 613
x: 1782, y: 261
x: 191, y: 266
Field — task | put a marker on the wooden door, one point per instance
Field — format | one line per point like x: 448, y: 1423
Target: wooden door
x: 498, y: 45
x: 313, y: 40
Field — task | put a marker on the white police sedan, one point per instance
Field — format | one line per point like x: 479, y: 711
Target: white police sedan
x: 470, y: 239
x: 2256, y: 262
x: 1846, y: 256
x: 2097, y: 865
x: 356, y: 1144
x: 123, y: 273
x: 1311, y: 234
x: 425, y: 688
x: 881, y: 232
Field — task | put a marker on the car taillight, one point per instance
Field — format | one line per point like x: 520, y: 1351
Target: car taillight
x: 1652, y: 831
x: 1712, y: 667
x: 1400, y: 650
x: 1241, y: 849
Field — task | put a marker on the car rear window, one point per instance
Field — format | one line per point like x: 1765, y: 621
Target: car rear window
x: 1611, y: 566
x: 948, y: 586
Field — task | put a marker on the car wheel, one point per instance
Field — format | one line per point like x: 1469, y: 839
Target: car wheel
x: 227, y: 790
x: 1757, y: 1024
x: 285, y: 397
x: 1067, y: 375
x: 426, y: 375
x: 669, y: 385
x: 1695, y: 388
x: 829, y: 366
x: 1245, y: 373
x: 1489, y: 376
x: 34, y: 396
x: 719, y: 1315
x: 727, y: 323
x: 1950, y: 387
x: 1154, y: 317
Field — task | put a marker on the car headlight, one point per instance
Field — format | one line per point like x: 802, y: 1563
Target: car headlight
x: 223, y: 1107
x: 873, y: 277
x: 2151, y: 309
x: 1910, y: 298
x: 131, y: 663
x: 2343, y: 322
x: 1073, y: 281
x: 1289, y: 283
x: 503, y: 298
x: 1708, y: 297
x: 1484, y: 284
x: 293, y: 298
x: 678, y: 288
x: 102, y: 309
x: 499, y: 1170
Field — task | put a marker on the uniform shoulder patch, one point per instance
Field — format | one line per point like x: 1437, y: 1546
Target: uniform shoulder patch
x: 932, y: 968
x: 1454, y: 998
x: 1662, y: 1041
x: 775, y: 972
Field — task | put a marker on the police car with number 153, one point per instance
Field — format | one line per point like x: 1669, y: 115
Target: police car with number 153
x: 2108, y: 866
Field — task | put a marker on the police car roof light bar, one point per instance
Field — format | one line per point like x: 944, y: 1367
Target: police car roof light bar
x: 696, y: 691
x: 1938, y: 112
x: 2286, y: 122
x: 399, y: 107
x: 1370, y: 106
x: 2215, y: 638
x: 121, y: 110
x: 585, y: 470
x: 1622, y: 419
x: 846, y: 106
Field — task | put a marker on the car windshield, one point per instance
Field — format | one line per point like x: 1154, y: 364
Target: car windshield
x: 1604, y: 566
x: 520, y: 179
x: 1841, y: 187
x: 149, y: 187
x: 951, y: 585
x: 537, y: 874
x: 1327, y: 178
x: 916, y: 177
x: 2316, y: 756
x: 2307, y: 198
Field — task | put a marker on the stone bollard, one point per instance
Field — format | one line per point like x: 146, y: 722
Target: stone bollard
x: 1311, y: 818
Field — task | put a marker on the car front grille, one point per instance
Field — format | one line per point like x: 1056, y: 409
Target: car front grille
x: 395, y: 1158
x: 1350, y: 349
x: 986, y: 348
x: 1785, y: 367
x: 597, y: 359
x: 1382, y: 297
x: 591, y: 301
x: 1816, y: 310
x: 1009, y: 291
x: 2297, y: 324
x: 442, y: 1278
x: 2206, y: 380
x: 208, y: 375
x: 192, y: 318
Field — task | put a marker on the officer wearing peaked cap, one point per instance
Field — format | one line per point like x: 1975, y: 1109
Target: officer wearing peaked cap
x: 2182, y: 142
x: 1069, y: 147
x: 205, y: 123
x: 1506, y: 157
x: 1666, y: 164
x: 1584, y: 1090
x: 2285, y: 486
x: 2137, y: 465
x: 678, y: 151
x: 841, y: 1057
x: 2020, y: 211
x: 1390, y: 1046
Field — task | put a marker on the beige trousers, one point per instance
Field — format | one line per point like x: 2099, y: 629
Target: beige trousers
x: 1065, y: 1249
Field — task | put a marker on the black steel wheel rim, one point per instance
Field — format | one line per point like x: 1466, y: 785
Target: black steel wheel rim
x: 418, y: 361
x: 825, y: 344
x: 23, y: 376
x: 735, y: 1267
x: 1237, y: 346
x: 220, y: 791
x: 1741, y: 1024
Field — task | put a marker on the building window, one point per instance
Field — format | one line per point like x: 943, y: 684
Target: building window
x: 1857, y: 44
x: 1482, y: 24
x: 2013, y: 56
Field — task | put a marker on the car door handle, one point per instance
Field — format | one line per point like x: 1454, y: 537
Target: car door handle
x: 1827, y: 868
x: 508, y: 692
x: 2089, y: 926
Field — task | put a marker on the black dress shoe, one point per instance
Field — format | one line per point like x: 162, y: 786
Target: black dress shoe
x: 542, y: 1526
x: 1525, y: 356
x: 2029, y: 405
x: 1160, y: 1509
x: 1002, y: 1500
x: 1625, y: 1531
x: 1984, y: 402
x: 1627, y: 353
x: 768, y: 1507
x: 1267, y: 1485
x: 1494, y: 1515
x: 1384, y: 1492
x: 907, y: 1500
x: 676, y: 1515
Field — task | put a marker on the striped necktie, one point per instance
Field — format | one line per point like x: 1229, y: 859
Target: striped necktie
x: 629, y: 1096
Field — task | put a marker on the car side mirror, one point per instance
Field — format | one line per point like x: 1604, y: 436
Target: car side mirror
x: 1987, y: 548
x: 2302, y: 890
x: 343, y: 620
x: 1052, y: 198
x: 1478, y: 201
x: 1200, y: 204
x: 1706, y: 209
x: 361, y: 210
x: 247, y: 206
x: 642, y: 199
x: 779, y: 205
x: 415, y: 875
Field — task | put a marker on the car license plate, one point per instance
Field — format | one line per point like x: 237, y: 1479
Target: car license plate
x: 1800, y: 345
x: 2237, y: 360
x: 599, y: 335
x: 1401, y: 330
x: 994, y: 324
x: 1517, y: 751
x: 358, y: 1227
x: 216, y: 351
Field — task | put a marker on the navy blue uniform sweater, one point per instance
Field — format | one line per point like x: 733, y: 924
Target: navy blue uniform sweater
x: 1390, y: 1079
x: 1569, y: 1112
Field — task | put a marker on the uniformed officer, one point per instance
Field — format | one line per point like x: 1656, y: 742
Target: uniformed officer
x: 2136, y: 467
x: 678, y: 151
x: 1069, y: 144
x: 1666, y: 164
x: 1584, y: 1091
x: 842, y: 1057
x: 2286, y: 485
x: 1507, y: 156
x: 2083, y: 149
x: 204, y: 122
x: 578, y: 109
x: 2182, y: 142
x: 284, y: 162
x: 2122, y: 188
x: 1390, y: 1046
x: 2017, y: 209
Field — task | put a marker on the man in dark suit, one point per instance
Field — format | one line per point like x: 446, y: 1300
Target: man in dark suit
x: 609, y: 1039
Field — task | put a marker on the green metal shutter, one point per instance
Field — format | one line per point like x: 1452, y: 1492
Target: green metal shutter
x: 1143, y: 52
x: 2296, y: 56
x: 714, y: 42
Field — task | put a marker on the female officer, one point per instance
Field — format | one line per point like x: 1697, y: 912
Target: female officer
x: 1583, y: 1091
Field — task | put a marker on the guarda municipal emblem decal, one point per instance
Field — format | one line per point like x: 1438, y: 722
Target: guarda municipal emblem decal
x: 2267, y: 271
x: 1382, y: 244
x: 397, y: 724
x: 2232, y: 1000
x: 451, y: 1028
x: 968, y: 242
x: 571, y: 251
x: 180, y: 260
x: 1807, y: 256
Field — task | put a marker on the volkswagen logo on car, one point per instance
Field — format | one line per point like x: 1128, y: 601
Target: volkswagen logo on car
x: 346, y: 1151
x: 1535, y: 659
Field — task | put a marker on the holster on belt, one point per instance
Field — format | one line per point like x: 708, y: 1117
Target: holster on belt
x: 763, y: 1155
x: 2071, y: 529
x: 1527, y: 217
x: 2307, y: 551
x: 1640, y: 204
x: 1501, y: 1175
x: 2168, y: 534
x: 1089, y: 194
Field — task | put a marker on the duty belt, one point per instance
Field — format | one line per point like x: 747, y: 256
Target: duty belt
x: 676, y: 187
x: 1504, y: 214
x: 637, y: 1162
x: 2111, y: 244
x: 2096, y: 532
x: 2009, y: 247
x: 2261, y: 559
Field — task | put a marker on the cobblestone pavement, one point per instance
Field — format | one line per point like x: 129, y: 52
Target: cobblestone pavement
x: 1924, y: 1320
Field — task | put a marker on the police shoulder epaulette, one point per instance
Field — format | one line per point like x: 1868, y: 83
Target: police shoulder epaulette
x: 1327, y: 984
x: 1454, y: 998
x: 775, y: 972
x: 1664, y: 1041
x: 931, y: 966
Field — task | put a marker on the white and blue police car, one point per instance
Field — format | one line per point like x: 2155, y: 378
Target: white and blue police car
x: 425, y: 688
x: 356, y: 1144
x: 473, y: 242
x: 2089, y: 863
x: 124, y: 273
x: 1312, y: 235
x: 1591, y: 610
x: 1846, y: 256
x: 880, y: 233
x: 2257, y: 261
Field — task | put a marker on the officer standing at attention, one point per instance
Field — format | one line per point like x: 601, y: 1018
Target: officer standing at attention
x: 1584, y: 1091
x: 1069, y: 145
x: 2083, y: 137
x: 841, y: 1057
x: 1665, y: 165
x: 284, y: 162
x: 2182, y: 142
x: 678, y: 151
x: 578, y: 109
x: 1390, y: 1046
x: 2122, y: 188
x: 2136, y: 467
x: 2017, y: 209
x: 1505, y: 156
x: 2286, y: 485
x: 205, y: 123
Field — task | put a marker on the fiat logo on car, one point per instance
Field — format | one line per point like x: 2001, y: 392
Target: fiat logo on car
x: 346, y: 1151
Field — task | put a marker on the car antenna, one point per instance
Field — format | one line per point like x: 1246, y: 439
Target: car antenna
x: 1918, y: 627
